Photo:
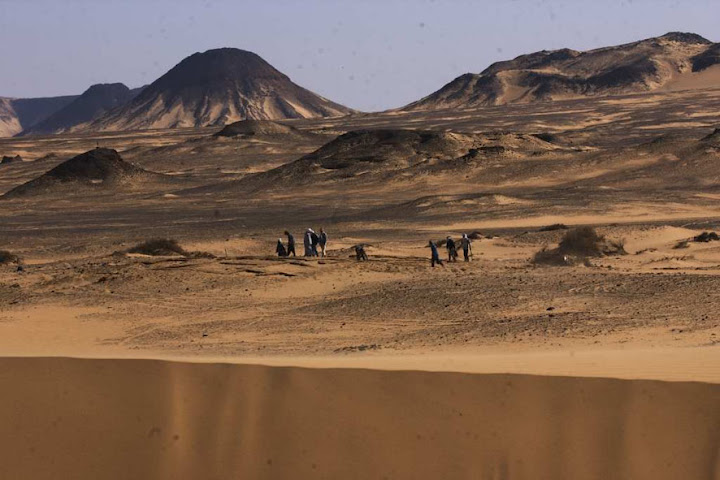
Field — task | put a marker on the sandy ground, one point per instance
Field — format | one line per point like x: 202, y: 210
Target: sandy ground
x: 154, y: 419
x: 495, y: 368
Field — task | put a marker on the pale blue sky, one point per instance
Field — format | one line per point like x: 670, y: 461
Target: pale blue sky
x: 369, y: 55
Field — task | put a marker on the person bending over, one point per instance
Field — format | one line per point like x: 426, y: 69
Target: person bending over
x: 280, y: 249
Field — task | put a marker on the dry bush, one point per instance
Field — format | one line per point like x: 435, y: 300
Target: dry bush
x: 553, y: 256
x: 159, y: 247
x: 682, y: 244
x: 583, y: 241
x: 706, y: 237
x: 577, y: 246
x: 8, y: 257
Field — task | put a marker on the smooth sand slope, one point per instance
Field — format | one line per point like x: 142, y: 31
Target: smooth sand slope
x: 131, y: 419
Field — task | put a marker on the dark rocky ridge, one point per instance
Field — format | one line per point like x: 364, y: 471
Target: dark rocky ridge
x: 550, y: 75
x: 386, y: 154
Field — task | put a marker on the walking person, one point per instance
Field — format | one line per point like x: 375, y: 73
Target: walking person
x: 452, y: 249
x: 307, y: 242
x: 322, y: 241
x: 435, y: 256
x: 280, y: 249
x: 465, y: 243
x: 314, y: 240
x: 291, y: 244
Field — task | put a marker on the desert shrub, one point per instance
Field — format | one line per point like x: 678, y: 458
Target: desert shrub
x: 615, y: 247
x: 7, y: 257
x: 682, y: 244
x: 583, y: 241
x: 553, y: 227
x: 576, y: 246
x: 553, y: 256
x: 159, y: 247
x: 475, y: 235
x: 706, y: 237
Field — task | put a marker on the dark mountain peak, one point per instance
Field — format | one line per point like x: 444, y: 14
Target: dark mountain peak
x: 686, y: 37
x: 215, y: 66
x: 105, y: 88
x: 532, y: 60
x: 217, y: 87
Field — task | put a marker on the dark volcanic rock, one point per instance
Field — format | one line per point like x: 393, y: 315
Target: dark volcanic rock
x: 706, y: 59
x: 256, y: 128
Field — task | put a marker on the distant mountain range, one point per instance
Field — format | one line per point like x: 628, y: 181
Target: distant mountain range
x: 675, y: 60
x: 93, y: 103
x: 16, y: 114
x: 226, y: 85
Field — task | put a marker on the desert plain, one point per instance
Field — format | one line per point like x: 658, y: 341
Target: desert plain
x: 227, y: 361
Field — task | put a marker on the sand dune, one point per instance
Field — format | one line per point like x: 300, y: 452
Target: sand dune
x: 122, y: 419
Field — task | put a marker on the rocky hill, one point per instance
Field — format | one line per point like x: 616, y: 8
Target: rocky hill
x: 217, y: 87
x: 100, y: 168
x: 636, y: 67
x: 94, y: 102
x: 380, y: 156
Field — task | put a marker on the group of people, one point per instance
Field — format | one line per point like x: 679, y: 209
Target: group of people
x: 452, y: 250
x: 315, y: 244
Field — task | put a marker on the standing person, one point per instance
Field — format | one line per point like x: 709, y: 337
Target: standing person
x: 452, y: 249
x: 314, y: 240
x: 291, y: 244
x: 280, y: 249
x: 465, y: 243
x: 322, y: 241
x: 435, y: 256
x: 307, y: 242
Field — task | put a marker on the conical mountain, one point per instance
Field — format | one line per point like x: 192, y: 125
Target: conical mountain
x: 218, y: 87
x: 675, y: 60
x: 94, y: 102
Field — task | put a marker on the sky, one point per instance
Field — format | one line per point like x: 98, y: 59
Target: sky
x: 370, y: 55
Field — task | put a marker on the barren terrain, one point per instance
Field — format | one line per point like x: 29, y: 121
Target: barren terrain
x: 233, y: 196
x: 642, y: 170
